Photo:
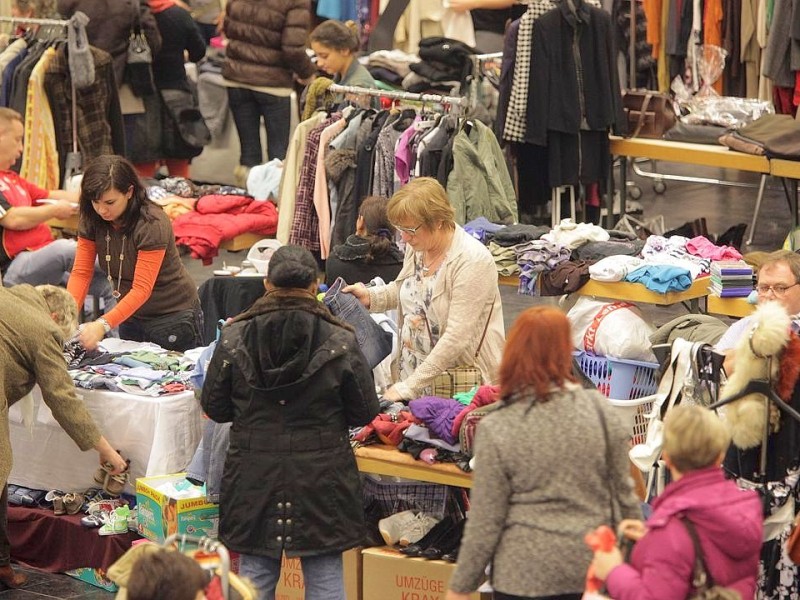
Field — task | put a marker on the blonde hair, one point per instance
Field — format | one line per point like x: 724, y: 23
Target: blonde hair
x: 694, y: 437
x: 7, y: 115
x: 62, y: 307
x: 423, y: 201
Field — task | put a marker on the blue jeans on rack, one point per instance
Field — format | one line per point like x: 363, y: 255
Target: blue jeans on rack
x: 323, y: 576
x: 375, y: 343
x: 248, y: 107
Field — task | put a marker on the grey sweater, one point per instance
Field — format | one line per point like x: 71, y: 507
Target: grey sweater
x: 540, y: 485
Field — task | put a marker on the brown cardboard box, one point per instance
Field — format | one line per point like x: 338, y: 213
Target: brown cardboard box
x: 388, y: 575
x: 291, y: 587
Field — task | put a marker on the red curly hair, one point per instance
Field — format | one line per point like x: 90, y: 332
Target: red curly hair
x: 537, y: 354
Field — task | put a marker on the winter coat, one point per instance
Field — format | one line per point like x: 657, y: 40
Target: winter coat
x: 291, y: 378
x: 110, y: 24
x: 267, y: 41
x: 31, y: 353
x: 728, y: 523
x: 349, y: 261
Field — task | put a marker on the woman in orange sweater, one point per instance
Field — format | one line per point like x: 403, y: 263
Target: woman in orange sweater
x: 133, y: 238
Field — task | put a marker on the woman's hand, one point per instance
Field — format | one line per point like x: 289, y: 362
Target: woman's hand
x: 110, y: 456
x: 91, y: 334
x: 391, y: 395
x: 360, y: 291
x: 451, y: 595
x: 461, y: 5
x: 632, y: 529
x: 604, y: 562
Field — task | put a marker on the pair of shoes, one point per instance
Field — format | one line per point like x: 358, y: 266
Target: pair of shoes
x: 113, y: 485
x: 116, y: 522
x: 68, y: 504
x: 11, y: 578
x: 435, y: 538
x: 406, y: 527
x: 447, y: 544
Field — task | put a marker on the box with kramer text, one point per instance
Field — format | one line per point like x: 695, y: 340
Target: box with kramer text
x: 389, y: 575
x: 291, y: 586
x: 160, y: 515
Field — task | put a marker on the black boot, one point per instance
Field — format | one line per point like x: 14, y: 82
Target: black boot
x: 437, y: 532
x: 447, y: 543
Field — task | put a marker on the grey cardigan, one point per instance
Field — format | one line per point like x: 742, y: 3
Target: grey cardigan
x: 540, y: 485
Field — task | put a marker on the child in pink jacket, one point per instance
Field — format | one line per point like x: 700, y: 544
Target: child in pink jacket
x: 728, y: 520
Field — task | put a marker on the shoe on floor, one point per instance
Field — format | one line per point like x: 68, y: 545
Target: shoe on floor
x: 393, y: 526
x: 11, y: 578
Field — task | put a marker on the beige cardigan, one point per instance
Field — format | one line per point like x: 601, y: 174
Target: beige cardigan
x: 462, y: 299
x: 30, y: 353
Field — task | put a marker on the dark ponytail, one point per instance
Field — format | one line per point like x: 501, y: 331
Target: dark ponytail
x: 337, y: 35
x: 380, y: 232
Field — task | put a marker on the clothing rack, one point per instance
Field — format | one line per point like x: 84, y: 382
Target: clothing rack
x: 32, y: 21
x: 433, y: 98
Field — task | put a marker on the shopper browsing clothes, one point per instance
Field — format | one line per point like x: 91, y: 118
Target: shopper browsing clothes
x: 292, y: 379
x: 371, y: 252
x: 726, y: 520
x: 34, y: 323
x: 266, y: 51
x: 28, y: 252
x: 548, y: 465
x: 336, y: 45
x: 157, y: 298
x: 447, y: 294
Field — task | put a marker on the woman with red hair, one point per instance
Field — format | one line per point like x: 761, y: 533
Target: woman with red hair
x: 550, y: 463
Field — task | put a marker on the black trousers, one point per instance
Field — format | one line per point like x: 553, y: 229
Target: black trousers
x: 5, y: 545
x: 502, y: 596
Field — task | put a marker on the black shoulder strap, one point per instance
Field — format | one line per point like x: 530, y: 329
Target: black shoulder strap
x: 701, y: 578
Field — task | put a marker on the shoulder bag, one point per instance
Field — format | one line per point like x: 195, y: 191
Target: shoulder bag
x: 702, y: 582
x: 459, y: 379
x: 139, y: 68
x: 649, y: 114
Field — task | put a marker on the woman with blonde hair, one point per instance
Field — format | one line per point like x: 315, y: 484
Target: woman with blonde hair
x: 450, y: 312
x: 551, y: 464
x: 700, y: 502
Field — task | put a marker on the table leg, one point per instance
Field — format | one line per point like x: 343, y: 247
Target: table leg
x: 791, y: 197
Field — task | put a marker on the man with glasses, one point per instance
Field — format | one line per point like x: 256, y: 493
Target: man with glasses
x: 778, y: 279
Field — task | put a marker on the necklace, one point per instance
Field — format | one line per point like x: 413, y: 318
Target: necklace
x: 432, y: 263
x: 115, y: 293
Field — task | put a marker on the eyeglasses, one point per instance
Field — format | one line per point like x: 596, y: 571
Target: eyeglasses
x: 408, y: 230
x: 779, y: 290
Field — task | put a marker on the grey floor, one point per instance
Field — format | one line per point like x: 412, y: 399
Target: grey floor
x: 721, y: 206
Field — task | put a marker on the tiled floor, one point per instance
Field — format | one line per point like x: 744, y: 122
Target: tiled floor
x: 721, y: 206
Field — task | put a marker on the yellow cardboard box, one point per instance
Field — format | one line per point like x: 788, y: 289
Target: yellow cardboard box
x: 291, y: 587
x: 389, y: 575
x: 159, y: 516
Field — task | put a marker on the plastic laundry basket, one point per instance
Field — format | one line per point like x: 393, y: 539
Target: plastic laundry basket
x: 260, y: 253
x: 629, y: 386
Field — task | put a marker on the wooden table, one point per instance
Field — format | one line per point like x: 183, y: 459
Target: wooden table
x: 241, y: 242
x: 636, y: 292
x: 388, y: 460
x: 681, y: 152
x: 731, y: 307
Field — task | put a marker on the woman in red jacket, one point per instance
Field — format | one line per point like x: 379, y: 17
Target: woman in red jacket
x: 728, y: 521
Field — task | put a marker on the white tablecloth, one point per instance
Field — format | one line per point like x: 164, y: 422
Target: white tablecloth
x: 159, y: 436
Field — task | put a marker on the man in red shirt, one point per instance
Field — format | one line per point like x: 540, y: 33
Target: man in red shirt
x: 28, y: 252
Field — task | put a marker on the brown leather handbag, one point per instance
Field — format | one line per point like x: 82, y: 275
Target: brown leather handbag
x: 650, y: 114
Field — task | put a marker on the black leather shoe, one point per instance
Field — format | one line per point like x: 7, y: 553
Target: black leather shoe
x: 11, y: 578
x: 431, y: 538
x: 447, y: 544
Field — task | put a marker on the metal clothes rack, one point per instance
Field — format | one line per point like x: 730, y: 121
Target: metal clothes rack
x: 478, y: 64
x: 72, y: 161
x: 432, y: 98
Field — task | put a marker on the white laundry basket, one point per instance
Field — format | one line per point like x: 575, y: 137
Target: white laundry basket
x: 260, y: 253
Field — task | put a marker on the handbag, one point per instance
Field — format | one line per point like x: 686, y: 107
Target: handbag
x: 175, y: 331
x: 649, y: 114
x: 184, y: 132
x: 139, y: 67
x: 469, y: 425
x: 458, y: 380
x: 702, y: 582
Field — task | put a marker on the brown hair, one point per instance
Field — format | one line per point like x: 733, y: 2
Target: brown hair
x: 380, y: 232
x: 537, y: 355
x: 423, y: 201
x: 165, y: 574
x: 337, y: 35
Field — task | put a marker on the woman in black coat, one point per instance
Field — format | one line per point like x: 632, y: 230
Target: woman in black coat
x: 291, y: 378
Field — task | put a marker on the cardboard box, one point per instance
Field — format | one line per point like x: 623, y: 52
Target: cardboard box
x: 291, y: 587
x: 159, y: 516
x: 95, y: 577
x: 389, y: 575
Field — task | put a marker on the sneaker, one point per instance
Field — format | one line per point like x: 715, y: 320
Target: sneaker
x: 416, y: 530
x: 116, y: 522
x: 95, y: 520
x: 392, y: 527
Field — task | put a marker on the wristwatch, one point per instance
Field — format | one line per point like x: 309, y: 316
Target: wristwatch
x: 104, y: 323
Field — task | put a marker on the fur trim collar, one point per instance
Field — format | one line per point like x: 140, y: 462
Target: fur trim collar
x: 790, y: 369
x: 291, y: 299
